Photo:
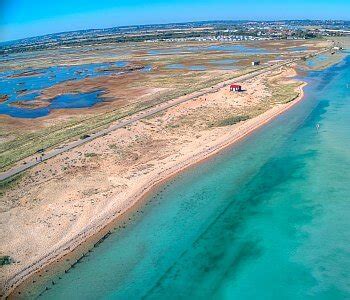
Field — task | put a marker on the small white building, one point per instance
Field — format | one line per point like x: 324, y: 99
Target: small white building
x: 255, y: 62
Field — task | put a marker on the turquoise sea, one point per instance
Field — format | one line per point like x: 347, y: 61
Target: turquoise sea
x: 268, y: 218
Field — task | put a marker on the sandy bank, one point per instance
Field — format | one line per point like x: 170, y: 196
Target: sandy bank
x: 76, y: 202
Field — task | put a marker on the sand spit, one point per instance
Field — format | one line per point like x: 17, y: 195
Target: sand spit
x: 72, y: 197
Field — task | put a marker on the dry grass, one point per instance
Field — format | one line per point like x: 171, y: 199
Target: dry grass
x: 174, y: 83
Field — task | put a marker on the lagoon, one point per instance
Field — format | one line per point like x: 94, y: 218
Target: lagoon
x: 26, y: 85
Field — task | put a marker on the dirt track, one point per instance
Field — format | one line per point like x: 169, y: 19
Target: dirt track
x: 33, y: 161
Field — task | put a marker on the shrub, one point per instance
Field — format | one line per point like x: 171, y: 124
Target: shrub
x: 5, y: 260
x: 91, y: 154
x: 232, y: 120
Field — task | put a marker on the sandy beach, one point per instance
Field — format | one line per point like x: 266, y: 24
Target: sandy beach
x: 78, y: 193
x: 174, y: 150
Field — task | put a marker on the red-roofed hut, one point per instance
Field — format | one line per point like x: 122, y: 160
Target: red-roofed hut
x: 235, y: 87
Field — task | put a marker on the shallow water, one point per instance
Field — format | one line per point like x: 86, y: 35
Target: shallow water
x: 183, y: 67
x: 297, y: 49
x: 312, y: 62
x: 222, y: 47
x: 220, y: 64
x: 237, y: 48
x: 224, y: 64
x: 65, y: 101
x: 26, y: 88
x: 265, y: 219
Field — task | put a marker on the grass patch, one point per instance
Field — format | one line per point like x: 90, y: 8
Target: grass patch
x: 9, y: 183
x: 112, y: 146
x: 231, y: 120
x: 285, y: 93
x: 91, y: 154
x: 84, y: 136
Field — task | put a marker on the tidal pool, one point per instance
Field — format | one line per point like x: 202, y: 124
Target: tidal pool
x: 312, y: 62
x: 65, y: 101
x: 183, y: 67
x: 224, y: 64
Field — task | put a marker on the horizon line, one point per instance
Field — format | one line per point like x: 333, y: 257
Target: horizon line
x: 170, y: 23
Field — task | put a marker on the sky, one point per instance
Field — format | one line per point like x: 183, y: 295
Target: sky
x: 27, y: 18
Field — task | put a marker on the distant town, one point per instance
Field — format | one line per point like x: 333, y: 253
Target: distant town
x: 197, y: 31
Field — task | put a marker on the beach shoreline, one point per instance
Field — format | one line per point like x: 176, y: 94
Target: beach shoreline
x: 95, y: 232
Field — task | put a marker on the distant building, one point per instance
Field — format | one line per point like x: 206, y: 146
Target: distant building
x: 255, y: 62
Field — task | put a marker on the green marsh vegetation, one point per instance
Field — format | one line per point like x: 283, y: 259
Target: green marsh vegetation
x: 25, y: 144
x: 232, y: 120
x: 5, y: 260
